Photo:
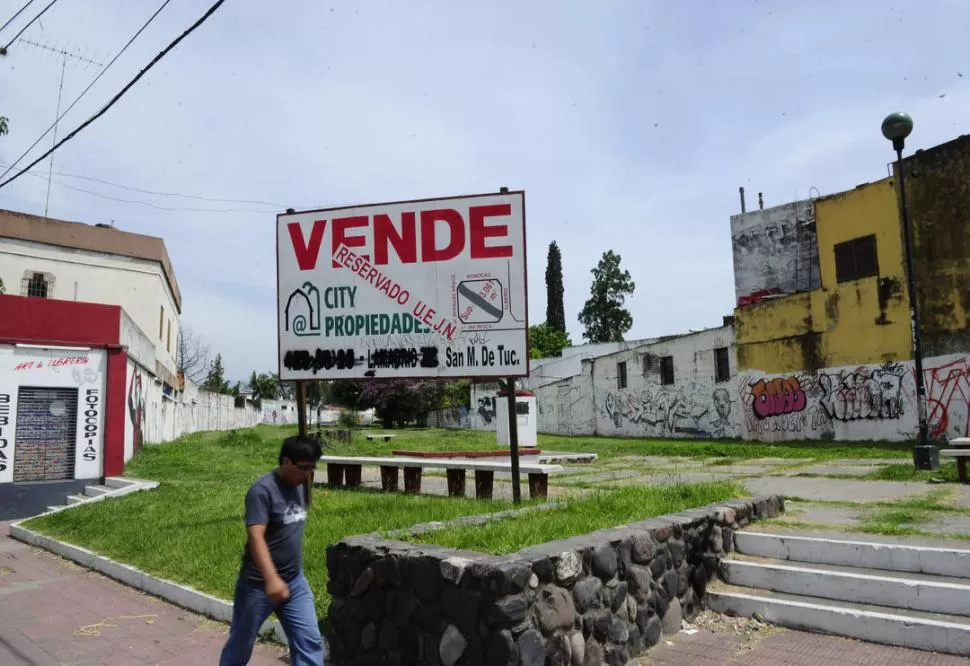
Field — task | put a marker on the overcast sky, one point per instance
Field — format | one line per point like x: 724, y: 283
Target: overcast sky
x: 630, y: 125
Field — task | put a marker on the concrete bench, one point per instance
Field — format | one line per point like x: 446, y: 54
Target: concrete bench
x: 345, y: 471
x: 960, y: 451
x: 385, y: 436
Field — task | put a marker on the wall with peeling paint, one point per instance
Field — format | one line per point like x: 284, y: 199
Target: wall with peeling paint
x: 695, y: 405
x: 593, y: 402
x: 775, y: 251
x: 938, y: 185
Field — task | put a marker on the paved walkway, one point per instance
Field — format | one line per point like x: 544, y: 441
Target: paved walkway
x: 779, y: 646
x: 55, y: 612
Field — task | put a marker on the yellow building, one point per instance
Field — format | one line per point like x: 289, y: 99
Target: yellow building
x: 822, y: 302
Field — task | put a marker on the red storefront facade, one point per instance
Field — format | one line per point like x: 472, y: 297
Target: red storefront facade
x: 62, y: 389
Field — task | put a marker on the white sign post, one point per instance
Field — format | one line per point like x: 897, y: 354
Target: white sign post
x: 430, y: 288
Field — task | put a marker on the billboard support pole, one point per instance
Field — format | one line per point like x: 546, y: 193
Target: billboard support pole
x: 514, y: 442
x: 302, y: 428
x: 513, y: 428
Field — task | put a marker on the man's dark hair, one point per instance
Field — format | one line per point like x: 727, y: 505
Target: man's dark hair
x: 300, y: 449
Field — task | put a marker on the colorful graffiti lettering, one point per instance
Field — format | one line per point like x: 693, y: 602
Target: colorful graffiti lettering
x: 774, y: 397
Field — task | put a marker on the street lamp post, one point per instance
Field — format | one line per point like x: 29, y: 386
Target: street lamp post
x: 896, y: 127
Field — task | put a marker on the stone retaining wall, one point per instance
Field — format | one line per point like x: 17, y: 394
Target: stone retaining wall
x: 603, y: 597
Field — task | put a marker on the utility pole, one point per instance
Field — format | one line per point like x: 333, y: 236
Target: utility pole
x: 60, y: 90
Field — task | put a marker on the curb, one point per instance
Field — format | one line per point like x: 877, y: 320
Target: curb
x: 181, y: 595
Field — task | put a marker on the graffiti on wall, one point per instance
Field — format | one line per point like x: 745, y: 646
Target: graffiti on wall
x: 948, y: 398
x: 136, y: 410
x: 563, y: 409
x: 777, y: 397
x: 863, y: 393
x: 777, y: 404
x: 486, y: 409
x: 816, y: 403
x: 669, y: 412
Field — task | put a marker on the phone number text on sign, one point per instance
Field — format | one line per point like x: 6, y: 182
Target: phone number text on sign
x: 430, y: 288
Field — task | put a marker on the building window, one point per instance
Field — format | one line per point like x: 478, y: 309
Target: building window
x: 666, y: 370
x: 161, y: 322
x: 37, y: 285
x: 722, y: 365
x: 168, y: 337
x: 856, y: 259
x: 621, y: 375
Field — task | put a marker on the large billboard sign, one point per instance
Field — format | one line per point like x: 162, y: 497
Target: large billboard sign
x: 430, y: 288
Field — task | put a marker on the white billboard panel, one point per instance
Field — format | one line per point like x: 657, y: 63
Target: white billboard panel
x: 430, y: 288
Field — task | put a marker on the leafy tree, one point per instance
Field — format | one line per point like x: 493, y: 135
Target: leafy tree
x: 555, y: 309
x: 345, y: 393
x: 236, y: 389
x: 603, y: 315
x: 3, y: 289
x: 191, y: 355
x: 457, y: 394
x: 400, y: 401
x: 215, y: 380
x: 4, y: 125
x: 263, y: 386
x: 546, y: 341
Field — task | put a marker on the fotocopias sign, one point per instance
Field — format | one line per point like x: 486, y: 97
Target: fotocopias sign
x: 430, y: 288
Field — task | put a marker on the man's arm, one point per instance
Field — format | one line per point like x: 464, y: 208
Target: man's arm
x: 276, y: 588
x: 257, y: 517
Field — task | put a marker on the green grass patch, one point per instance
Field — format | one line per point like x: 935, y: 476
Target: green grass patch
x: 908, y: 472
x: 724, y: 462
x: 898, y: 521
x: 191, y: 528
x: 597, y: 510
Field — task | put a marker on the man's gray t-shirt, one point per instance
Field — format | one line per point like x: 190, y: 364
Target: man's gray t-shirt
x: 282, y: 508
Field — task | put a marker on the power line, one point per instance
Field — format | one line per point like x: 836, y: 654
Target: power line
x: 23, y: 29
x: 161, y: 194
x: 171, y: 194
x: 53, y: 125
x: 120, y: 94
x: 14, y: 17
x: 171, y: 209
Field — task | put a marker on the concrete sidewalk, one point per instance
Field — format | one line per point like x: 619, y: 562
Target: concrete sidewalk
x: 55, y: 612
x: 728, y: 643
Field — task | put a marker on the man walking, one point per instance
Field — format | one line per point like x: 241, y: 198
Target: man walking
x: 271, y: 577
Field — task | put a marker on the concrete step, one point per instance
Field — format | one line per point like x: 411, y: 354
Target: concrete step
x: 115, y: 482
x: 97, y: 491
x: 54, y: 508
x: 913, y: 629
x: 75, y: 499
x: 940, y: 558
x: 894, y: 590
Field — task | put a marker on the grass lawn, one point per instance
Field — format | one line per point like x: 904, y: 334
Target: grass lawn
x: 433, y: 439
x: 191, y: 528
x: 598, y: 510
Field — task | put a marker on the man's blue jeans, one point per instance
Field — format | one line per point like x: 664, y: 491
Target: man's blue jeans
x: 251, y: 607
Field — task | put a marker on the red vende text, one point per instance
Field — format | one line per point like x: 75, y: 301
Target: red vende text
x: 415, y: 237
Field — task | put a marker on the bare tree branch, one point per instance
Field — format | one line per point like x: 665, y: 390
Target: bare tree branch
x: 192, y: 355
